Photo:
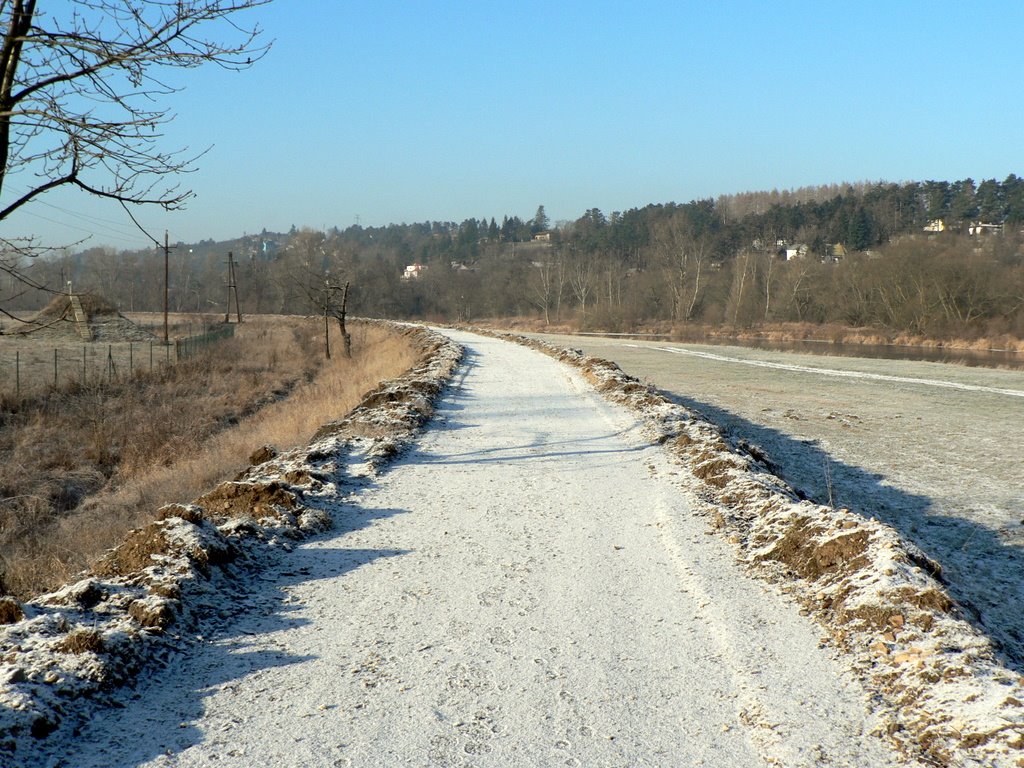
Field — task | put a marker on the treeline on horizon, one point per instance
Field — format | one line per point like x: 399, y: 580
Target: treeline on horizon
x: 862, y: 259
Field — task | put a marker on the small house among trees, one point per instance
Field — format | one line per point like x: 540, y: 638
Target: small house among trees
x: 413, y: 271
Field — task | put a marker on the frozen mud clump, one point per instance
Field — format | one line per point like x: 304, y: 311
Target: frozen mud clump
x: 10, y: 611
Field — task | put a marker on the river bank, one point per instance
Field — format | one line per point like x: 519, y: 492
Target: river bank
x: 807, y: 338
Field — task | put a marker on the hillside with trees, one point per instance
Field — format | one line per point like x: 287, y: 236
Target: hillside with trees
x: 934, y: 259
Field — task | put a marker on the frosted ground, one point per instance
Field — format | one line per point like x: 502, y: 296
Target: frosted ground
x: 526, y: 586
x: 534, y: 581
x: 932, y: 449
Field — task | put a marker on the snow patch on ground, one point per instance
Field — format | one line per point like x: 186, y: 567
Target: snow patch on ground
x: 62, y: 653
x: 942, y: 693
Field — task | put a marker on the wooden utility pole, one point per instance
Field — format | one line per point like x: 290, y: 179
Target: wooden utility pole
x: 167, y: 272
x: 232, y: 291
x: 327, y: 328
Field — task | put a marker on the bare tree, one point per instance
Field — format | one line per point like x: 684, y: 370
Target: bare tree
x: 743, y: 264
x: 309, y: 260
x: 82, y: 90
x: 326, y: 296
x: 800, y: 289
x: 681, y: 251
x: 547, y: 283
x: 581, y: 277
x: 767, y: 247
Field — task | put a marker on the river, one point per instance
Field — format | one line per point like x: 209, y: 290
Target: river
x: 984, y: 358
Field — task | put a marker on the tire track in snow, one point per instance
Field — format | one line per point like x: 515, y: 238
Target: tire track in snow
x: 776, y: 674
x: 834, y: 371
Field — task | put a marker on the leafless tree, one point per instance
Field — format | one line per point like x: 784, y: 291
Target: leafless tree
x: 327, y: 296
x: 83, y: 92
x: 682, y: 253
x: 547, y: 283
x: 745, y: 264
x: 769, y: 257
x: 310, y: 265
x: 581, y: 277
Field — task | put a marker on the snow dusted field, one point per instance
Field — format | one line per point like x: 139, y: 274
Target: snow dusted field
x: 528, y: 586
x: 934, y: 450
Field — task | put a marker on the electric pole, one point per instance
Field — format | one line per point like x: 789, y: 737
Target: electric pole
x: 232, y: 291
x: 167, y: 271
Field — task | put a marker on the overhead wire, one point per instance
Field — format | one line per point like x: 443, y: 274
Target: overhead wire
x: 94, y: 225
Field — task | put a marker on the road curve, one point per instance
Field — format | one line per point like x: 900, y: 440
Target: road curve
x: 529, y: 586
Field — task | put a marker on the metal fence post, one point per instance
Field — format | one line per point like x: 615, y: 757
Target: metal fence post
x: 54, y: 367
x: 17, y: 374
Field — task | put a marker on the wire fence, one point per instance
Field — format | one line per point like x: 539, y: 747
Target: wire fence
x: 31, y: 367
x: 193, y: 345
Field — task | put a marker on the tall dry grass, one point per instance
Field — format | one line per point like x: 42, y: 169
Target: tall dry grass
x: 85, y: 471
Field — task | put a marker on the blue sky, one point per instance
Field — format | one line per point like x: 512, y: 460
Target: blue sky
x: 402, y: 112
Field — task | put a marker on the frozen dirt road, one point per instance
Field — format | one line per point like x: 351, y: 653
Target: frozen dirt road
x: 527, y: 587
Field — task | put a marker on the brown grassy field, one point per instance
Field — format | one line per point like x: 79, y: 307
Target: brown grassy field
x: 29, y: 367
x: 79, y: 467
x: 34, y: 363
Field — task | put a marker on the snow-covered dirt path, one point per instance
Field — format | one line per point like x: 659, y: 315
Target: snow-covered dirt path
x: 931, y: 449
x: 527, y: 587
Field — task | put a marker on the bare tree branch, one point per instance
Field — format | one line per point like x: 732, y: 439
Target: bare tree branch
x: 81, y: 85
x: 81, y: 89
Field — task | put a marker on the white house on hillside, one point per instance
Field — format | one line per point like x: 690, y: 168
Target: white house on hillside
x: 984, y: 228
x: 413, y: 271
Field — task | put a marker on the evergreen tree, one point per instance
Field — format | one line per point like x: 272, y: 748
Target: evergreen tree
x: 936, y: 199
x: 1013, y: 198
x: 540, y: 221
x: 963, y: 205
x: 860, y: 232
x: 990, y: 202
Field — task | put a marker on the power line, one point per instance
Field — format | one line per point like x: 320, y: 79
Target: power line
x: 96, y: 225
x: 122, y: 236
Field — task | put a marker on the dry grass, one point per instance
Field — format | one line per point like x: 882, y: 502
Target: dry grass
x: 82, y: 641
x: 27, y: 362
x: 83, y: 469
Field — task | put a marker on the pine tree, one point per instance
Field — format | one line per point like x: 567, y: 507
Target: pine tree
x: 540, y: 221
